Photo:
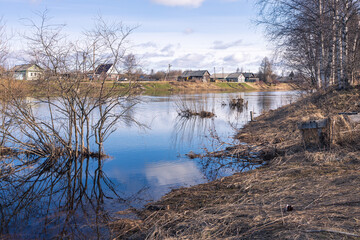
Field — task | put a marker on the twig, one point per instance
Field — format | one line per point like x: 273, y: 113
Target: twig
x: 282, y: 214
x: 332, y: 231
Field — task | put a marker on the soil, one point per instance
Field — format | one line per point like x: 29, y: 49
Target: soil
x: 300, y: 193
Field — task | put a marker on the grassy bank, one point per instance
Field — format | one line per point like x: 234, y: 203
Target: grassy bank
x: 320, y: 183
x: 38, y: 89
x: 156, y: 88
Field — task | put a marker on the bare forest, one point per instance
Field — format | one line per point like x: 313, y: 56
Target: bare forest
x: 319, y: 39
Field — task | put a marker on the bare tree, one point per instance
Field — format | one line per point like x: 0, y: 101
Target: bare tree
x: 266, y: 71
x: 54, y: 147
x: 68, y: 129
x: 47, y: 44
x: 318, y: 38
x: 4, y: 45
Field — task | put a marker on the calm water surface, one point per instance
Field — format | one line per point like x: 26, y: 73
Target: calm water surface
x: 146, y: 162
x: 155, y: 158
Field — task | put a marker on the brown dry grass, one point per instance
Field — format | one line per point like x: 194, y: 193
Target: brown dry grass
x: 320, y: 184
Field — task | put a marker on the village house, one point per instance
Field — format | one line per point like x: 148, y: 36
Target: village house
x: 219, y: 77
x: 27, y: 72
x: 106, y: 71
x: 195, y: 76
x: 236, y: 77
x: 250, y: 77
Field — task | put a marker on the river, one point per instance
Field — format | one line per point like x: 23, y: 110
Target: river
x: 146, y: 160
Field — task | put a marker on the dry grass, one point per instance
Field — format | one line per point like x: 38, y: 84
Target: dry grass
x: 320, y: 184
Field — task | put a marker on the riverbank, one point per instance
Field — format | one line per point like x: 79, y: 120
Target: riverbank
x: 320, y: 184
x: 166, y: 88
x: 41, y: 89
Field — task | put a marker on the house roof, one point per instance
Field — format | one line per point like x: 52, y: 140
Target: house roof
x: 23, y: 67
x: 199, y: 73
x: 220, y: 75
x: 248, y: 75
x: 103, y: 68
x: 234, y: 75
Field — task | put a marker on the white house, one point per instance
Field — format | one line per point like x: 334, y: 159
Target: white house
x: 27, y: 72
x: 236, y: 77
x: 106, y: 71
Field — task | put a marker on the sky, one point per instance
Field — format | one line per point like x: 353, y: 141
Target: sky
x: 188, y: 34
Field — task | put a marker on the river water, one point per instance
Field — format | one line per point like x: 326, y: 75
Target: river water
x: 145, y: 162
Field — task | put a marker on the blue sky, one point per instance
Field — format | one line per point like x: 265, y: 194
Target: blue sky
x: 188, y: 34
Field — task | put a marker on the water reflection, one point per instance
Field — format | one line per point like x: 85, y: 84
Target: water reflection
x: 189, y: 130
x: 168, y: 173
x: 57, y: 198
x: 76, y: 197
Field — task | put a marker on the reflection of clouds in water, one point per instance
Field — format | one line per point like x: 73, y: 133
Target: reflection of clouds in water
x: 184, y: 173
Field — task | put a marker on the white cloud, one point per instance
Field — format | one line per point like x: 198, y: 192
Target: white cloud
x: 168, y: 173
x: 147, y: 45
x: 183, y: 3
x: 167, y: 48
x: 188, y: 31
x: 190, y: 61
x: 222, y: 45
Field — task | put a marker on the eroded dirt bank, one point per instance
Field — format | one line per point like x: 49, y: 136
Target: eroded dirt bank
x: 320, y: 183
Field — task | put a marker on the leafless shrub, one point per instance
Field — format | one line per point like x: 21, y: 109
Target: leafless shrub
x: 67, y: 128
x: 188, y: 108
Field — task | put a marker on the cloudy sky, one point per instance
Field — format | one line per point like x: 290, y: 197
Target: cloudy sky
x: 188, y: 34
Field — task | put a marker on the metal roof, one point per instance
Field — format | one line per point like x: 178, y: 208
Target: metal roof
x: 199, y: 73
x: 220, y: 75
x: 23, y: 67
x: 103, y: 68
x: 248, y: 75
x: 234, y: 75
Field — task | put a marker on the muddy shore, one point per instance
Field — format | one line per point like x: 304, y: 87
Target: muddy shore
x: 321, y: 184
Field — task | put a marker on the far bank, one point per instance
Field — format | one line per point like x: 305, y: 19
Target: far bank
x: 44, y: 88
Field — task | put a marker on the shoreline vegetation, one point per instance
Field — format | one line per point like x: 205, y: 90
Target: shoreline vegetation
x: 299, y: 193
x: 38, y: 89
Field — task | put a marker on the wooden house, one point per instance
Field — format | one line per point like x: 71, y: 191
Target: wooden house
x: 106, y: 71
x: 219, y: 77
x: 235, y: 77
x: 27, y: 72
x: 195, y: 76
x: 250, y: 77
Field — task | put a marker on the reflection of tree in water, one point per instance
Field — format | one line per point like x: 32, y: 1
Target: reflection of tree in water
x: 265, y: 101
x: 214, y: 161
x: 128, y: 116
x: 220, y: 166
x: 188, y: 130
x: 55, y: 198
x: 222, y: 158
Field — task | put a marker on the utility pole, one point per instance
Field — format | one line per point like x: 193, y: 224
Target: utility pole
x: 166, y: 77
x: 94, y: 62
x: 84, y: 65
x: 214, y: 74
